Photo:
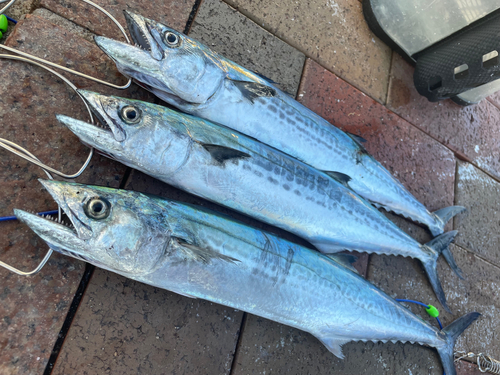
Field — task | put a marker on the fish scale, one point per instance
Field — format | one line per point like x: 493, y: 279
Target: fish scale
x: 200, y: 254
x: 197, y: 80
x: 229, y: 168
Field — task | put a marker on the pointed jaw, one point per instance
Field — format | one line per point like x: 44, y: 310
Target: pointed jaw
x: 67, y: 196
x: 58, y: 236
x: 106, y: 139
x: 91, y: 135
x: 141, y: 30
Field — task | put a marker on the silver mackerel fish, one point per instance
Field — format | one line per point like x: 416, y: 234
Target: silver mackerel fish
x: 191, y: 77
x: 229, y: 168
x: 200, y: 254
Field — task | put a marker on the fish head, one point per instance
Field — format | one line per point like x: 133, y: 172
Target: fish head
x: 114, y: 229
x: 142, y: 135
x: 166, y: 60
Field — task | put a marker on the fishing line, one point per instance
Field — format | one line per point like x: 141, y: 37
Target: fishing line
x: 79, y: 74
x: 25, y: 154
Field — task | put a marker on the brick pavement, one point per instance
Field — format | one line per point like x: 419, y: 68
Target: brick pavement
x: 443, y: 153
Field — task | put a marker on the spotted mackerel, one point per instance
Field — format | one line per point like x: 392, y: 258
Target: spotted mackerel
x: 199, y: 254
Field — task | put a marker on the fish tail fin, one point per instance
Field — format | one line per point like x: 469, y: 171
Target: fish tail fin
x: 452, y: 332
x: 442, y: 216
x: 440, y: 245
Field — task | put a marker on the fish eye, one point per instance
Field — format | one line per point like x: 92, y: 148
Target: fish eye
x: 97, y: 208
x: 171, y: 39
x: 130, y: 114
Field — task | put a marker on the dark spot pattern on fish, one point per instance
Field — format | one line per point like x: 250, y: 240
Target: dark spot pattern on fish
x: 298, y: 193
x: 286, y: 187
x: 267, y: 165
x: 272, y: 108
x: 273, y: 181
x: 258, y: 174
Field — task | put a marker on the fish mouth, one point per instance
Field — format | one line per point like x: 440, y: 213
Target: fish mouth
x: 61, y: 236
x: 105, y: 138
x: 55, y: 233
x: 141, y: 30
x: 97, y: 104
x: 92, y: 136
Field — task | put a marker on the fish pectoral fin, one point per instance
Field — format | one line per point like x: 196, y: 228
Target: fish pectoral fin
x: 254, y: 90
x: 340, y: 177
x: 345, y: 260
x: 334, y: 345
x: 222, y: 154
x: 196, y: 253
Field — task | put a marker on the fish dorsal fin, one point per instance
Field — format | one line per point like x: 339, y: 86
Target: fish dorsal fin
x: 345, y: 260
x: 340, y: 177
x: 262, y: 76
x: 359, y: 140
x: 254, y: 90
x: 334, y: 345
x: 221, y: 154
x: 198, y: 254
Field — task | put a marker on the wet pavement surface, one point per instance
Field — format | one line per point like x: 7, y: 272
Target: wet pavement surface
x: 320, y: 52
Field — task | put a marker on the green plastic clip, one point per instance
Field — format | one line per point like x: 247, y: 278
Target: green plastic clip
x: 4, y: 24
x: 432, y: 311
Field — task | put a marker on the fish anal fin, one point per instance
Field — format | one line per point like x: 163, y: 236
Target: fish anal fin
x: 185, y: 294
x: 194, y: 253
x: 254, y: 90
x: 345, y: 260
x: 221, y: 154
x: 340, y: 177
x: 334, y: 345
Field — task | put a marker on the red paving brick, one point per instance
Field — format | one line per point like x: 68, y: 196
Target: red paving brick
x: 125, y: 327
x: 424, y: 166
x: 495, y: 99
x: 472, y: 132
x: 32, y: 309
x: 174, y: 13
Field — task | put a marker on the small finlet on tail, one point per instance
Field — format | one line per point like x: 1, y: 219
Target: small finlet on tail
x: 440, y: 245
x: 452, y: 332
x: 442, y: 217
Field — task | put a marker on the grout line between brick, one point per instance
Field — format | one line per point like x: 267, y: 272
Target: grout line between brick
x: 192, y: 16
x: 478, y: 256
x: 75, y: 304
x: 238, y: 343
x: 301, y: 80
x: 389, y: 78
x: 455, y: 192
x: 493, y: 103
